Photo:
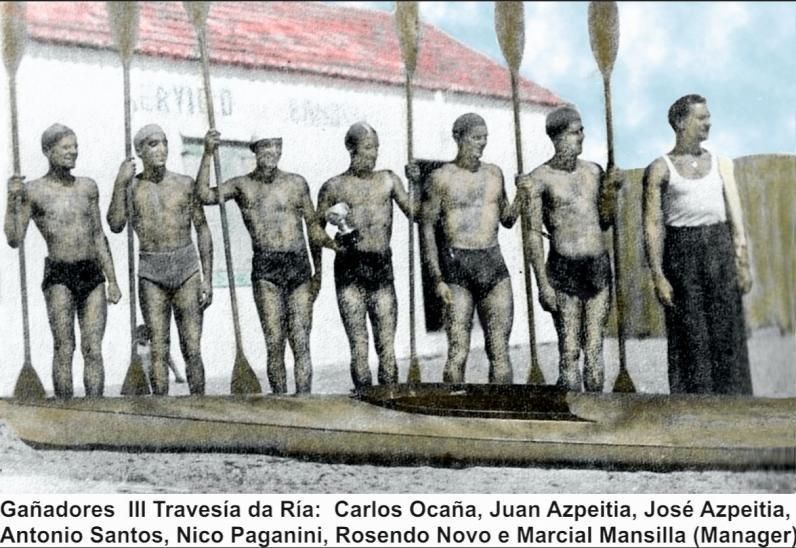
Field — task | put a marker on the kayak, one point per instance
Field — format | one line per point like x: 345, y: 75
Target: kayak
x: 432, y: 424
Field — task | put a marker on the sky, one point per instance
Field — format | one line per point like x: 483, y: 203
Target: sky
x: 740, y: 55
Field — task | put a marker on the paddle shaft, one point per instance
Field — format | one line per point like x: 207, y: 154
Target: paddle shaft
x: 128, y: 152
x: 23, y: 277
x: 411, y: 190
x: 525, y: 229
x: 620, y: 323
x: 211, y: 117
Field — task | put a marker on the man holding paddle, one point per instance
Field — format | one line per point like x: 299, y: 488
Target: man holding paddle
x: 696, y: 249
x: 363, y: 270
x: 65, y: 209
x: 169, y: 277
x: 273, y: 204
x: 467, y: 200
x: 576, y: 201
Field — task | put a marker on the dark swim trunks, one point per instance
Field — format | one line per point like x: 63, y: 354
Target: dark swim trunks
x: 285, y: 269
x: 583, y: 277
x: 370, y: 271
x: 80, y: 277
x: 476, y: 270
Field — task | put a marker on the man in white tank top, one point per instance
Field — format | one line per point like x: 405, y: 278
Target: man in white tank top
x: 696, y: 249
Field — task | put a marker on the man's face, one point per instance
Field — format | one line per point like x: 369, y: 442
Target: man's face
x: 473, y: 142
x: 63, y: 154
x: 570, y: 140
x: 697, y: 124
x: 268, y: 152
x: 154, y: 150
x: 364, y: 156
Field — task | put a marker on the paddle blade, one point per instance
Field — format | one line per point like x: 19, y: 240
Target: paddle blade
x: 197, y: 13
x: 28, y: 385
x: 135, y: 382
x: 624, y: 384
x: 535, y: 375
x: 408, y: 25
x: 14, y: 35
x: 510, y: 29
x: 414, y: 376
x: 244, y: 381
x: 604, y: 34
x: 123, y: 17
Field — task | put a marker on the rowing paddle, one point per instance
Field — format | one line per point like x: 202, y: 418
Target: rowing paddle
x: 604, y: 38
x: 244, y: 380
x: 28, y: 384
x: 510, y: 29
x: 408, y: 23
x: 123, y: 17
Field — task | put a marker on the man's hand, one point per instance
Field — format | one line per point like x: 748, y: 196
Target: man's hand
x: 315, y: 286
x: 412, y: 171
x: 444, y: 293
x: 547, y: 298
x: 206, y: 298
x: 615, y: 178
x: 744, y: 279
x: 16, y: 187
x: 522, y: 179
x: 127, y: 170
x: 663, y: 290
x: 114, y: 293
x: 212, y: 140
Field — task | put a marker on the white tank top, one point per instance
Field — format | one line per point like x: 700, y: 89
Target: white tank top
x: 694, y: 202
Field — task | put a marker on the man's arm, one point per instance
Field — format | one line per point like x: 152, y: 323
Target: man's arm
x: 101, y: 244
x: 432, y: 209
x: 530, y: 195
x: 316, y: 235
x: 401, y: 196
x: 656, y: 177
x: 205, y: 244
x: 205, y: 194
x: 117, y: 210
x: 508, y: 211
x: 732, y: 204
x: 18, y: 210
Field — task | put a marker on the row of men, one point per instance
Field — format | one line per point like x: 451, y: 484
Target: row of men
x: 693, y: 232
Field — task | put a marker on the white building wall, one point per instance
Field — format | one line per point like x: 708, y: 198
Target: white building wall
x: 83, y: 89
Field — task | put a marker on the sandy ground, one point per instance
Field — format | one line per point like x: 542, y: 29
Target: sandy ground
x: 24, y: 470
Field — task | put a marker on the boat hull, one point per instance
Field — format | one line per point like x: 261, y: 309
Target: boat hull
x: 636, y: 431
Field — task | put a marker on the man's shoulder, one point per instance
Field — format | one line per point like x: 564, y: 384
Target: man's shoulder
x: 657, y: 169
x: 179, y: 178
x: 493, y: 170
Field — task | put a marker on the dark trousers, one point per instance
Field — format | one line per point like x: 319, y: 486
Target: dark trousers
x: 706, y: 333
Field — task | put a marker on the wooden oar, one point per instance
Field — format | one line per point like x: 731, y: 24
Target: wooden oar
x: 408, y: 23
x: 28, y: 384
x: 244, y: 380
x: 604, y: 38
x: 510, y: 29
x: 123, y: 17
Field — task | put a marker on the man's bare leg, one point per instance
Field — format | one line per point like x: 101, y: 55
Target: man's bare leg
x: 353, y: 311
x: 61, y: 312
x: 568, y: 325
x: 595, y: 313
x: 299, y: 323
x: 189, y: 315
x: 92, y: 316
x: 458, y: 325
x: 156, y: 309
x: 271, y: 309
x: 496, y: 313
x: 383, y: 313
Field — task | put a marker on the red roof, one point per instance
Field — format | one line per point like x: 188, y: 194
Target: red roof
x: 308, y: 37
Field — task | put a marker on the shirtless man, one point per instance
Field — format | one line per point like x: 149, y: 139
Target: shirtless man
x: 576, y: 202
x: 467, y: 200
x: 363, y: 271
x: 164, y: 208
x: 273, y: 204
x: 65, y: 209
